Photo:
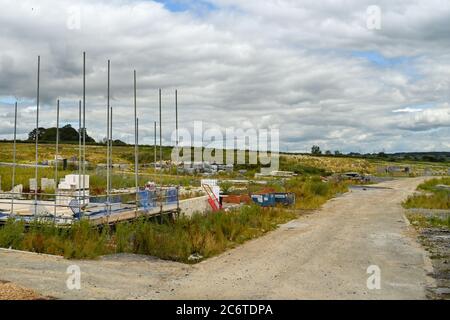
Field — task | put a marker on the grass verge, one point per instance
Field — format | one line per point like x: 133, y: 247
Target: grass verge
x: 203, y: 235
x: 435, y: 198
x: 311, y: 192
x: 422, y: 221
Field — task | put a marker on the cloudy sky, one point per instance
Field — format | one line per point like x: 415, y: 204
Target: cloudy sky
x: 322, y: 72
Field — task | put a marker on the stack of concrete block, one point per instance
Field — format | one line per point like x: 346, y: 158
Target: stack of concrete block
x: 72, y: 187
x: 48, y: 184
x: 33, y: 184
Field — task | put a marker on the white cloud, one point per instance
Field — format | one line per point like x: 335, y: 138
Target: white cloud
x: 428, y: 119
x: 277, y: 63
x: 407, y: 110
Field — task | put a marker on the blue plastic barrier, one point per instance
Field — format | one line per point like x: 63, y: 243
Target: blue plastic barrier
x: 272, y: 199
x: 171, y: 195
x: 264, y: 200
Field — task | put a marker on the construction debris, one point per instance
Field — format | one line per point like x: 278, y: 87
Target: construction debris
x: 10, y: 291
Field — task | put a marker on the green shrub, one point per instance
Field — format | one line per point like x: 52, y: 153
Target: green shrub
x: 203, y: 234
x: 434, y: 199
x: 11, y: 234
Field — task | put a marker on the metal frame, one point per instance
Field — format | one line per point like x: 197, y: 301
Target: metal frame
x: 81, y: 195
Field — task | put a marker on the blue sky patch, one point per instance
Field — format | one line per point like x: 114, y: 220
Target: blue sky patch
x: 402, y: 63
x: 187, y: 5
x: 7, y: 100
x: 379, y: 60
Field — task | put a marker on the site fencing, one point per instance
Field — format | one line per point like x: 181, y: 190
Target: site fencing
x: 68, y: 208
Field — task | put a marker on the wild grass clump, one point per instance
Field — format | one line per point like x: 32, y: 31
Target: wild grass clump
x: 80, y: 241
x: 434, y: 198
x: 430, y: 185
x: 11, y: 234
x: 202, y: 234
x: 437, y: 200
x: 312, y: 192
x: 422, y: 221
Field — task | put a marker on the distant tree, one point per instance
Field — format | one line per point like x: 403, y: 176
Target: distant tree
x: 315, y: 150
x: 337, y: 153
x: 119, y: 143
x: 354, y: 154
x: 88, y: 138
x: 116, y: 142
x: 32, y: 134
x: 328, y: 152
x: 66, y: 134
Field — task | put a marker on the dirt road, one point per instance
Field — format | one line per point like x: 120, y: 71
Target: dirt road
x: 324, y: 255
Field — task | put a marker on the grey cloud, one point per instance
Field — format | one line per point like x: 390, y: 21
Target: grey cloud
x: 286, y: 64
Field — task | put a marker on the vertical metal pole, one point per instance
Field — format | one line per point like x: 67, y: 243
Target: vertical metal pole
x: 37, y: 137
x: 137, y: 164
x: 160, y: 152
x: 176, y: 125
x: 79, y: 158
x: 84, y: 128
x: 108, y: 141
x: 160, y: 133
x: 177, y: 150
x: 154, y: 149
x: 136, y: 147
x: 56, y: 157
x: 111, y: 145
x: 13, y: 181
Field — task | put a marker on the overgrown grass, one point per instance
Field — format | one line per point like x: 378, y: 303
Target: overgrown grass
x: 312, y: 192
x: 202, y: 234
x: 421, y: 221
x: 97, y: 179
x: 437, y: 200
x: 433, y: 199
x: 431, y: 184
x: 308, y: 164
x: 78, y: 241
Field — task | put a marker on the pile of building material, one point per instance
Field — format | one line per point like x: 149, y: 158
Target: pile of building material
x: 276, y: 173
x: 205, y: 167
x: 73, y: 186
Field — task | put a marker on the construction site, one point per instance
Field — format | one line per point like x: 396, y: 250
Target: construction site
x: 72, y: 199
x: 106, y: 208
x: 224, y: 150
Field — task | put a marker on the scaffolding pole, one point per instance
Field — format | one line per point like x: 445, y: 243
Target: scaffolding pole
x: 154, y: 148
x: 37, y: 138
x: 56, y: 157
x: 84, y: 128
x: 108, y: 141
x: 111, y: 143
x: 79, y: 156
x: 177, y: 150
x: 136, y: 146
x: 13, y: 180
x: 160, y: 152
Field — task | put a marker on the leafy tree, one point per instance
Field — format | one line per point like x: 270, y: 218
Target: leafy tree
x: 118, y: 142
x: 66, y: 134
x: 32, y: 134
x: 316, y: 150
